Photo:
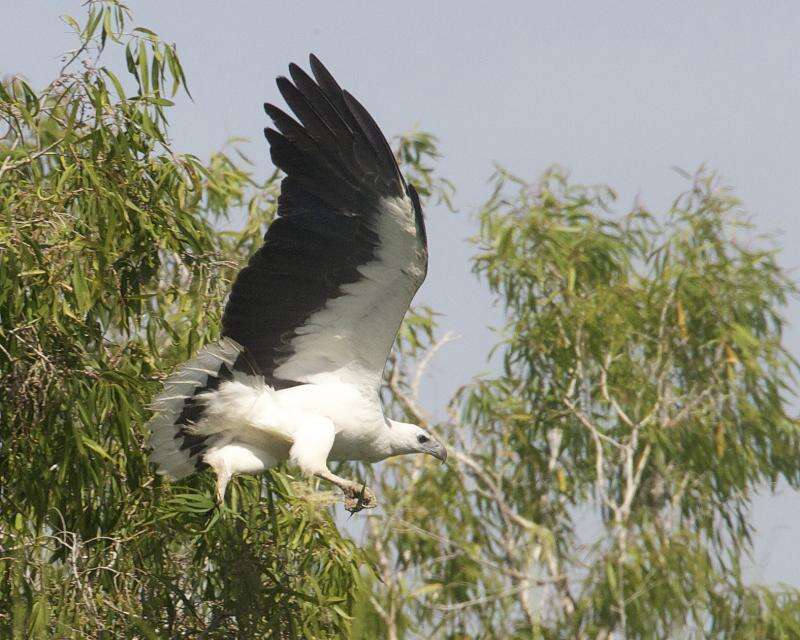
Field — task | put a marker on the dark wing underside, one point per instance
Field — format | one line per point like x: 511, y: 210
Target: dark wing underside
x: 347, y: 251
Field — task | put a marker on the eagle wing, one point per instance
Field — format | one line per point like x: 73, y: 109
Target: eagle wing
x: 325, y: 295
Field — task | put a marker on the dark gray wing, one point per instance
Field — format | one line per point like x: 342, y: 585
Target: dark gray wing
x: 325, y: 295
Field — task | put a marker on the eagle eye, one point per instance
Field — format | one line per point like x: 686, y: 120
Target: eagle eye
x: 422, y: 438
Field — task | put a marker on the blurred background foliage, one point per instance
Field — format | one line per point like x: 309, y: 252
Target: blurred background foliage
x: 599, y: 481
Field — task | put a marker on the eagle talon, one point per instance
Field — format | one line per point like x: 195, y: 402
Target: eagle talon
x: 359, y: 498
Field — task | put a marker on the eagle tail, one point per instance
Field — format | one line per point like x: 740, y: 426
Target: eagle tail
x: 177, y: 449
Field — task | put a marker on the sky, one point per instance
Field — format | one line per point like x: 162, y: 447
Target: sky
x: 618, y: 92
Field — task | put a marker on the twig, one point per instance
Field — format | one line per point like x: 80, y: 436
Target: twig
x: 426, y: 360
x: 28, y: 159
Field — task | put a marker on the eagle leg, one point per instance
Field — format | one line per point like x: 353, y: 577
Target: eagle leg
x: 356, y: 497
x: 223, y: 477
x: 312, y: 445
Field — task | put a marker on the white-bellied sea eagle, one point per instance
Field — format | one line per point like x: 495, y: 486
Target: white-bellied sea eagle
x: 311, y: 319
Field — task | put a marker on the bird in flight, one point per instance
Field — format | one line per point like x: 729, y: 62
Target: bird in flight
x: 311, y: 319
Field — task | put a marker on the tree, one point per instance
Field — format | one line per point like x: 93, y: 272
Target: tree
x: 112, y: 270
x: 600, y: 479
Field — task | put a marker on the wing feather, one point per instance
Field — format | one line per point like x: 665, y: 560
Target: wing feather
x: 326, y: 293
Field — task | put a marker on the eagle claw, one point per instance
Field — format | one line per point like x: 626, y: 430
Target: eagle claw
x: 358, y: 498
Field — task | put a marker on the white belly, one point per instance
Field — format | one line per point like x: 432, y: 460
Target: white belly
x: 256, y: 426
x: 357, y: 416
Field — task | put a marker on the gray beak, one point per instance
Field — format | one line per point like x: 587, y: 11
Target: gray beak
x: 438, y: 450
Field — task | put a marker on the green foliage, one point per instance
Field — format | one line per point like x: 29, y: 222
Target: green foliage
x: 598, y: 483
x: 112, y: 271
x: 601, y: 480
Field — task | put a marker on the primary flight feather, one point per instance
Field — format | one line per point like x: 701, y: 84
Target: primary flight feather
x: 312, y: 318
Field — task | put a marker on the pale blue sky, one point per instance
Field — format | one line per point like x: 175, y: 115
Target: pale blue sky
x: 618, y: 92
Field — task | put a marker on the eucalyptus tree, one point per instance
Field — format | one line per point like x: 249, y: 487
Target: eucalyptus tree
x: 112, y: 269
x: 602, y: 477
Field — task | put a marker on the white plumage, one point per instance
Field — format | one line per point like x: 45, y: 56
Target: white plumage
x: 311, y: 320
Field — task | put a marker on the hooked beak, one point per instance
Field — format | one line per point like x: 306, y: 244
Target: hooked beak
x: 438, y: 450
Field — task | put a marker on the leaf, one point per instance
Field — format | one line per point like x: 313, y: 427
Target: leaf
x: 719, y: 439
x: 142, y: 69
x: 336, y: 608
x: 191, y: 503
x: 97, y: 448
x: 80, y: 287
x: 72, y: 22
x: 730, y: 355
x: 115, y: 81
x: 146, y: 32
x: 562, y: 480
x: 107, y: 28
x: 681, y: 319
x: 131, y: 64
x: 427, y: 589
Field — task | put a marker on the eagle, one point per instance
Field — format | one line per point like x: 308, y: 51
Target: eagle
x: 311, y: 320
